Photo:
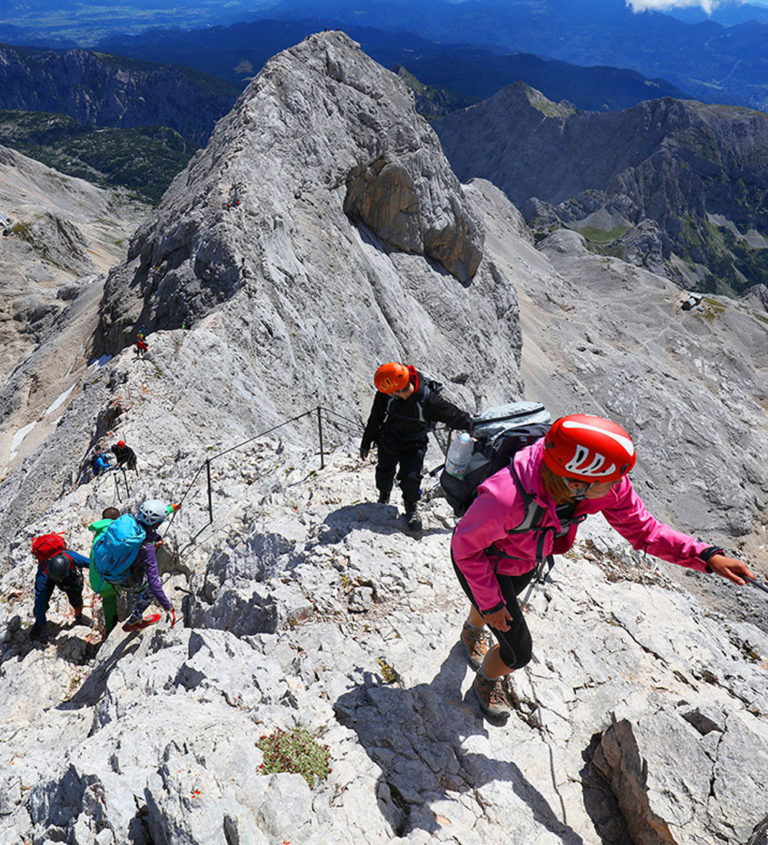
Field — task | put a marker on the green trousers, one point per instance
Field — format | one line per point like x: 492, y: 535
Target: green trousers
x: 108, y: 597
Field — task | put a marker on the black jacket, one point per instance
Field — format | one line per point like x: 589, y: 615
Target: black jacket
x: 404, y: 423
x: 125, y: 455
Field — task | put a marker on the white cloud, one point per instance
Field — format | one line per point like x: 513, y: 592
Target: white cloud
x: 660, y: 5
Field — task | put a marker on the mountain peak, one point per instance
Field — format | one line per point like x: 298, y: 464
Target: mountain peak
x: 323, y: 184
x: 522, y: 91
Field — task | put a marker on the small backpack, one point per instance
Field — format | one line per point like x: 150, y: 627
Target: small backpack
x: 117, y: 549
x: 47, y: 545
x: 499, y: 433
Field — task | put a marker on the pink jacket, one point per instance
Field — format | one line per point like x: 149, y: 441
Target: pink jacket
x: 499, y: 508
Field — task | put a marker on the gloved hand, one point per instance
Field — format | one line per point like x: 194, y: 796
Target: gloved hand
x: 363, y: 453
x: 170, y: 616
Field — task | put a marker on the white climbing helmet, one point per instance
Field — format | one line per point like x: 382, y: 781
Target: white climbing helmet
x: 152, y: 512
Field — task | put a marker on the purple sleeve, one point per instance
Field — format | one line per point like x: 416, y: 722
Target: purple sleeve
x: 148, y: 557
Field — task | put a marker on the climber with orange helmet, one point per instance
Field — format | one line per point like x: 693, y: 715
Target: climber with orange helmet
x: 406, y: 408
x: 579, y: 467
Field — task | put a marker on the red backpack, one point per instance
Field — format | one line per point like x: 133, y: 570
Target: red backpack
x: 47, y: 545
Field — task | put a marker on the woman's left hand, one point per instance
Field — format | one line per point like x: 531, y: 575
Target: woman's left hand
x: 730, y: 567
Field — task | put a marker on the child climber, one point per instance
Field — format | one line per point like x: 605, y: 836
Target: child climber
x: 103, y: 588
x: 404, y: 411
x: 578, y: 468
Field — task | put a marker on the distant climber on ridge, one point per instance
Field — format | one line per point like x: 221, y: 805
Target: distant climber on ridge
x: 581, y: 466
x: 59, y: 567
x: 100, y: 463
x: 405, y: 409
x: 141, y: 344
x: 126, y: 457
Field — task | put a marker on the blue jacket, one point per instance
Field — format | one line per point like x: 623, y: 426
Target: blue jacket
x: 72, y: 585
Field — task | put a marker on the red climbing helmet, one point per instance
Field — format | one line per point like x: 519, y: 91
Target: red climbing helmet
x: 391, y: 377
x: 121, y: 444
x: 588, y: 448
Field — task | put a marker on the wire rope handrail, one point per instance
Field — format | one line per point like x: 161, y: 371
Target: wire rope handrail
x: 207, y: 464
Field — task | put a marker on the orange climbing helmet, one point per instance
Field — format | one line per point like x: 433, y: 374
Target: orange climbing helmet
x: 391, y: 377
x: 588, y: 448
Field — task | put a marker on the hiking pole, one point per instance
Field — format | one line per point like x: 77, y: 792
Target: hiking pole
x: 320, y: 434
x: 756, y: 584
x: 117, y: 489
x: 210, y: 495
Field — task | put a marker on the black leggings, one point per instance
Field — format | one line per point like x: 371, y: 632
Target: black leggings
x: 516, y: 644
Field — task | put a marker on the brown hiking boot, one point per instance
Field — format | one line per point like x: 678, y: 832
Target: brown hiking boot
x: 490, y: 696
x: 476, y: 642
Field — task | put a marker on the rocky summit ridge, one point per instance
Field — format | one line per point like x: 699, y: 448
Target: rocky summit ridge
x: 321, y: 232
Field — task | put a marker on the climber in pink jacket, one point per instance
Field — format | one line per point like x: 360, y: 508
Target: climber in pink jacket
x: 531, y: 510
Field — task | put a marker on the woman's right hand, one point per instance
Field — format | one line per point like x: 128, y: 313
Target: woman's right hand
x: 499, y: 619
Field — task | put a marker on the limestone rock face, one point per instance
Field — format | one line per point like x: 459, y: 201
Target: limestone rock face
x: 270, y: 244
x: 323, y: 142
x: 61, y: 235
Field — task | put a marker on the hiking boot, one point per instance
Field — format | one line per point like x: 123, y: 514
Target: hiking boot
x: 383, y: 497
x: 138, y: 623
x: 82, y: 619
x: 490, y: 696
x: 412, y: 518
x: 40, y: 633
x: 476, y: 642
x: 133, y: 622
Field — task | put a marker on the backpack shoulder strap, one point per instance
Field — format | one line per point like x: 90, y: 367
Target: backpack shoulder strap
x: 425, y: 391
x: 533, y: 511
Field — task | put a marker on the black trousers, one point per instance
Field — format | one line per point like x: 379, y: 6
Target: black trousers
x: 515, y: 644
x: 411, y: 461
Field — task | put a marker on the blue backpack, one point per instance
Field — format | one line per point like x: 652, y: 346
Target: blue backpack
x: 117, y: 548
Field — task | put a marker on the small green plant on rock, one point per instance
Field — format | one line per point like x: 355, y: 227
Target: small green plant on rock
x: 388, y: 674
x: 295, y: 751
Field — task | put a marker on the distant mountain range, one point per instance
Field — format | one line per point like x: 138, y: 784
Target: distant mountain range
x: 111, y: 120
x: 679, y: 186
x: 101, y: 90
x: 712, y: 62
x: 237, y: 52
x: 143, y: 159
x: 718, y: 59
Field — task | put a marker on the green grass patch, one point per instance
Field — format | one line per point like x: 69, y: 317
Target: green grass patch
x: 601, y: 236
x: 295, y: 751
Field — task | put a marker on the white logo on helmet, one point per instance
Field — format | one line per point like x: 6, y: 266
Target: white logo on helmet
x: 596, y: 467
